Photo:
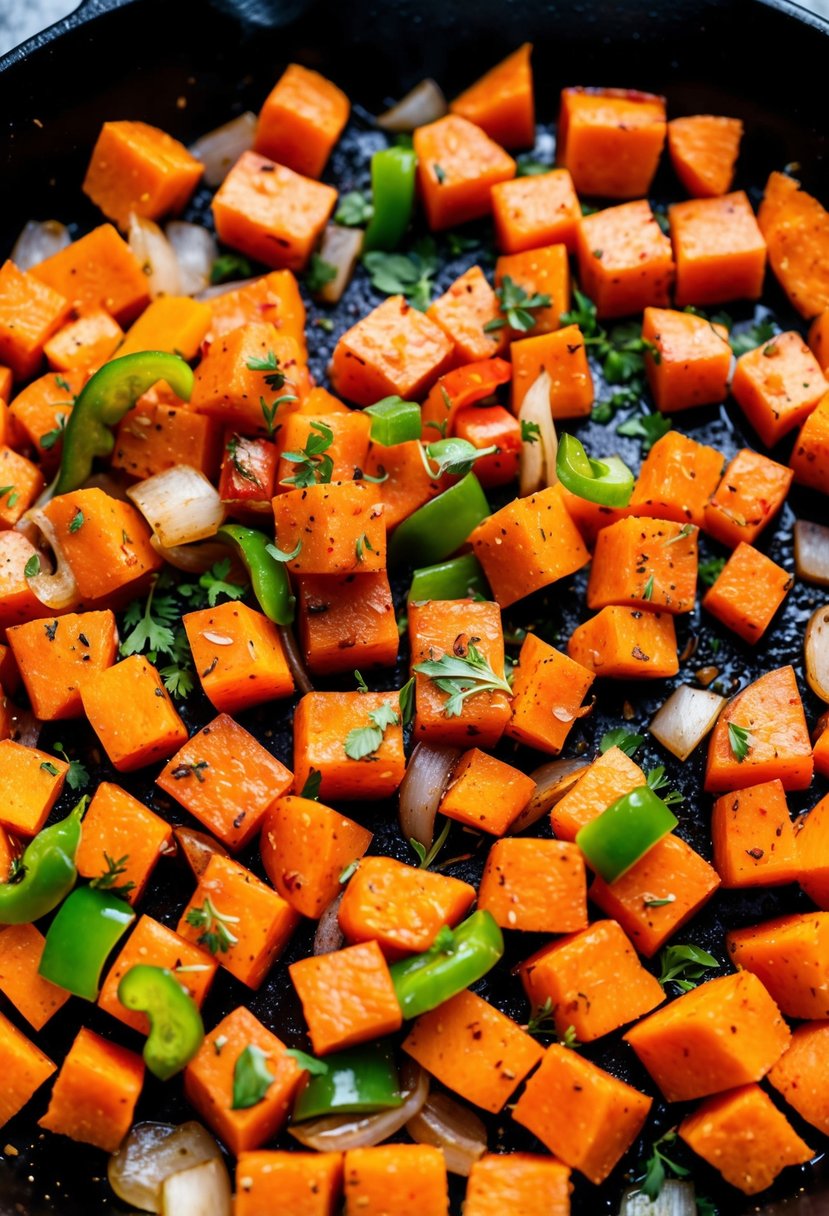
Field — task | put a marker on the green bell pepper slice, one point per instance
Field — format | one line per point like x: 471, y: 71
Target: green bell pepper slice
x: 102, y: 403
x: 176, y: 1027
x: 393, y: 421
x: 459, y: 957
x: 89, y: 923
x: 358, y: 1081
x: 608, y: 482
x: 48, y: 871
x: 392, y: 195
x: 268, y: 577
x: 438, y: 528
x: 615, y: 840
x: 458, y: 578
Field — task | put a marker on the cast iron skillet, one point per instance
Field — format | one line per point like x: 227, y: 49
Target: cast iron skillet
x: 190, y: 64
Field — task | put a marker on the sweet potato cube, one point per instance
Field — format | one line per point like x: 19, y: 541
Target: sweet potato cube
x: 119, y: 827
x: 778, y: 385
x: 689, y: 360
x: 302, y: 118
x: 25, y: 1068
x: 704, y: 150
x: 55, y: 657
x: 501, y: 102
x: 322, y: 724
x: 788, y: 955
x: 719, y: 249
x: 42, y: 409
x: 538, y: 886
x: 347, y: 997
x: 151, y: 731
x: 273, y: 298
x: 545, y: 271
x: 155, y: 436
x: 463, y: 312
x: 22, y: 482
x: 592, y: 980
x: 744, y: 1136
x: 474, y: 1050
x: 676, y: 480
x: 138, y: 169
x: 30, y: 312
x: 748, y: 592
x: 517, y: 1184
x: 346, y: 621
x: 604, y: 1115
x: 726, y: 1032
x: 530, y: 543
x: 812, y: 842
x: 608, y: 778
x: 353, y: 539
x: 457, y: 166
x: 492, y: 426
x: 626, y: 643
x: 17, y: 601
x: 754, y: 841
x: 176, y: 324
x: 86, y: 342
x: 30, y: 784
x: 799, y: 1074
x: 401, y: 907
x: 94, y: 1096
x: 393, y: 350
x: 752, y: 491
x: 563, y: 356
x: 98, y: 270
x: 645, y: 562
x: 625, y: 260
x: 238, y: 656
x: 226, y: 779
x: 208, y: 1082
x: 415, y: 1174
x: 21, y: 947
x: 309, y: 1184
x: 407, y: 485
x: 796, y: 227
x: 486, y: 793
x: 809, y: 460
x: 611, y: 140
x: 229, y: 389
x: 537, y: 210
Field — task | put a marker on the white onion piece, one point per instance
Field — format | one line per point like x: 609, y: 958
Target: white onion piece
x: 179, y: 504
x: 426, y: 779
x: 24, y: 727
x: 329, y: 937
x: 203, y: 1190
x: 341, y: 248
x: 454, y: 1129
x: 816, y: 650
x: 196, y: 251
x: 156, y: 255
x: 338, y: 1133
x: 685, y: 719
x: 811, y: 552
x: 193, y: 559
x: 675, y: 1199
x: 294, y: 659
x: 58, y: 590
x: 552, y: 781
x: 221, y: 289
x: 220, y: 149
x: 151, y: 1153
x: 538, y: 459
x: 424, y: 103
x: 38, y: 241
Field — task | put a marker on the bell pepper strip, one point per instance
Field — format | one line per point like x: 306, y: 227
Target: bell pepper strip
x: 89, y: 923
x: 459, y: 578
x: 615, y: 840
x: 268, y: 576
x: 438, y: 528
x: 102, y: 403
x: 457, y: 958
x: 357, y: 1081
x: 392, y: 196
x: 393, y: 421
x: 176, y: 1027
x: 48, y: 871
x: 608, y: 482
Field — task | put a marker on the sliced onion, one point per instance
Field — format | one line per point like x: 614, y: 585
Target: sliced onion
x: 329, y: 937
x: 203, y: 1190
x: 196, y: 251
x: 341, y: 248
x: 156, y: 255
x: 811, y: 552
x: 454, y: 1129
x: 294, y: 659
x: 221, y: 289
x: 338, y: 1133
x: 38, y: 241
x: 197, y: 848
x: 427, y: 776
x: 195, y: 559
x: 179, y: 504
x: 552, y: 781
x: 151, y: 1153
x: 57, y: 590
x: 816, y: 650
x: 538, y: 459
x: 675, y: 1199
x: 424, y: 103
x: 685, y: 719
x: 220, y: 149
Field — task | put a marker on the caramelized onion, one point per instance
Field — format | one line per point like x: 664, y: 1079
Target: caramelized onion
x: 811, y: 552
x: 329, y: 936
x: 454, y: 1129
x: 197, y: 848
x: 156, y: 255
x: 341, y: 248
x: 338, y: 1133
x: 203, y: 1190
x: 294, y: 659
x: 38, y: 241
x: 816, y: 651
x: 423, y: 104
x: 675, y: 1199
x: 220, y: 149
x: 426, y: 779
x: 552, y: 781
x: 180, y: 504
x: 58, y: 590
x: 195, y: 559
x: 196, y: 251
x: 539, y: 449
x: 150, y: 1154
x: 685, y: 719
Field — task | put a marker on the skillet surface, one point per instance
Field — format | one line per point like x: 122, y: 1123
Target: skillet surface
x: 187, y: 66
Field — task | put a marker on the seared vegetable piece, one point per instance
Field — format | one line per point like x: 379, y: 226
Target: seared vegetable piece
x: 48, y: 868
x: 302, y: 118
x: 358, y: 1081
x: 501, y: 102
x: 621, y: 835
x: 176, y: 1030
x: 458, y: 957
x: 93, y: 1099
x: 88, y: 925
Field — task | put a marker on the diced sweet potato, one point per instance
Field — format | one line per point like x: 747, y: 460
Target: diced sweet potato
x: 302, y: 118
x: 611, y: 140
x: 643, y: 563
x: 36, y: 998
x: 56, y: 657
x: 754, y: 841
x: 347, y: 997
x: 86, y: 342
x: 812, y: 842
x: 228, y: 388
x: 676, y: 480
x: 138, y: 169
x: 689, y: 360
x: 457, y: 165
x: 517, y: 1184
x: 30, y: 784
x: 30, y: 312
x: 98, y: 270
x: 625, y: 260
x: 719, y: 249
x: 751, y: 492
x: 412, y: 1176
x: 538, y: 886
x: 536, y: 210
x: 809, y: 460
x: 563, y: 356
x: 25, y: 1068
x: 788, y: 955
x: 608, y: 778
x: 346, y: 621
x: 748, y: 592
x: 322, y: 725
x: 547, y: 692
x: 544, y: 271
x: 94, y: 1096
x: 796, y: 227
x: 463, y: 312
x: 799, y: 1074
x: 117, y: 826
x: 238, y: 656
x: 778, y: 385
x: 486, y: 793
x: 626, y: 643
x: 704, y: 150
x: 305, y: 1184
x: 152, y: 730
x: 501, y: 102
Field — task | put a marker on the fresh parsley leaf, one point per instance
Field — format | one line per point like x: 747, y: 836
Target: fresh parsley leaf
x: 625, y: 740
x: 313, y: 463
x: 658, y: 1165
x: 706, y: 1207
x: 77, y: 521
x: 150, y: 628
x: 274, y: 376
x: 456, y: 456
x: 216, y: 935
x: 710, y: 570
x: 406, y: 274
x: 311, y: 788
x: 251, y: 1078
x: 685, y: 966
x: 313, y: 1066
x: 319, y: 273
x: 228, y: 267
x: 541, y: 1020
x: 647, y: 427
x: 32, y: 566
x: 406, y: 701
x: 364, y: 741
x: 647, y: 593
x: 354, y: 210
x: 517, y: 307
x: 77, y: 776
x: 48, y: 441
x: 583, y: 314
x: 458, y: 243
x: 211, y: 585
x: 282, y: 555
x: 426, y: 857
x: 528, y: 166
x: 108, y: 880
x: 752, y: 336
x: 462, y: 677
x: 739, y: 740
x: 530, y: 431
x: 657, y: 780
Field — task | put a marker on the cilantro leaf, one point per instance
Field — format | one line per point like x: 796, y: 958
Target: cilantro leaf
x: 77, y: 776
x: 364, y: 741
x: 710, y: 570
x: 251, y: 1078
x: 230, y: 266
x: 530, y: 431
x: 625, y: 740
x: 313, y: 463
x: 274, y: 376
x: 647, y: 427
x: 354, y: 210
x: 216, y: 936
x: 456, y: 456
x: 658, y: 1165
x: 685, y: 966
x: 517, y: 307
x: 739, y: 740
x: 752, y: 336
x: 462, y: 677
x: 406, y: 274
x: 150, y: 628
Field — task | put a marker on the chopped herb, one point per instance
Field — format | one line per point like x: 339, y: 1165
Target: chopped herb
x: 771, y: 350
x: 459, y: 243
x: 686, y: 531
x: 150, y: 628
x: 530, y: 431
x: 462, y: 677
x: 108, y: 880
x: 583, y: 314
x: 354, y: 210
x: 274, y: 376
x: 647, y: 427
x: 311, y: 788
x: 313, y: 1066
x: 710, y: 570
x: 406, y: 701
x: 657, y: 780
x: 426, y: 857
x: 213, y: 584
x: 48, y: 441
x: 653, y: 901
x: 684, y: 966
x: 407, y: 274
x: 706, y: 1207
x: 625, y: 740
x: 751, y: 336
x: 364, y: 741
x: 196, y: 769
x: 313, y: 463
x: 363, y: 543
x: 738, y: 739
x: 251, y: 1079
x: 228, y: 267
x: 319, y: 273
x: 517, y: 307
x: 216, y: 935
x: 349, y: 871
x: 569, y: 1039
x: 14, y: 497
x: 647, y: 594
x: 440, y: 174
x: 77, y: 776
x: 455, y: 456
x: 658, y: 1165
x: 361, y: 684
x: 77, y: 521
x: 528, y: 166
x: 50, y: 768
x: 281, y: 555
x: 325, y: 324
x: 32, y: 566
x: 541, y: 1020
x: 269, y: 412
x: 63, y: 383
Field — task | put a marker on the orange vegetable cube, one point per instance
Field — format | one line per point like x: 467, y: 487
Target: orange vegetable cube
x: 501, y: 102
x: 273, y: 298
x: 485, y: 793
x: 750, y: 494
x: 645, y: 562
x: 778, y: 385
x: 812, y: 842
x: 176, y: 324
x: 463, y: 311
x: 152, y: 730
x: 818, y: 341
x: 604, y: 1115
x: 590, y: 517
x: 22, y: 483
x: 347, y: 997
x: 94, y: 1096
x: 788, y: 955
x: 119, y: 827
x: 753, y: 837
x: 545, y: 271
x: 608, y: 778
x: 457, y: 165
x: 719, y: 249
x: 415, y: 1174
x: 748, y: 592
x: 302, y: 118
x: 30, y: 784
x: 591, y: 981
x: 474, y: 1050
x: 744, y: 1136
x: 25, y: 1068
x: 348, y: 450
x: 611, y: 140
x: 796, y: 227
x: 407, y: 483
x: 517, y: 1184
x: 270, y: 213
x: 488, y: 426
x: 694, y: 359
x: 21, y: 947
x: 625, y: 260
x: 30, y: 312
x: 538, y: 886
x: 238, y: 656
x: 138, y: 169
x: 17, y: 601
x: 208, y: 1082
x: 323, y: 722
x: 810, y: 456
x: 56, y: 657
x: 798, y: 1074
x: 346, y: 622
x: 676, y: 480
x: 228, y: 388
x: 537, y: 210
x: 6, y: 381
x: 704, y: 149
x: 626, y: 643
x: 86, y: 342
x: 42, y: 409
x: 563, y: 356
x: 154, y: 437
x: 226, y: 780
x: 401, y: 907
x: 308, y: 1184
x: 98, y: 270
